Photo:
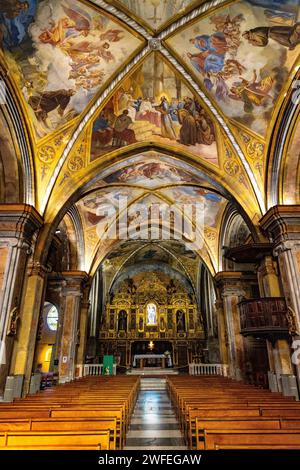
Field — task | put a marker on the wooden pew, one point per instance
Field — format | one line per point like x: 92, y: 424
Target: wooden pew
x: 207, y: 425
x: 90, y: 405
x: 251, y: 439
x: 58, y: 440
x: 207, y: 404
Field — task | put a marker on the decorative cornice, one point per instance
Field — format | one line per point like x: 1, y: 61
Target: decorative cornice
x: 19, y: 220
x: 75, y: 279
x: 233, y: 282
x: 282, y: 223
x: 38, y: 269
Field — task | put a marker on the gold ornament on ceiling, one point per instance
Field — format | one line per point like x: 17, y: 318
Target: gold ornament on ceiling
x: 46, y: 154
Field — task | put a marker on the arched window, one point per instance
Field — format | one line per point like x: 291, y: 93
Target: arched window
x: 52, y: 318
x: 151, y: 314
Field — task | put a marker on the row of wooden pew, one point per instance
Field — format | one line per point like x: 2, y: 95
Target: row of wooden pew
x: 92, y: 413
x: 220, y: 413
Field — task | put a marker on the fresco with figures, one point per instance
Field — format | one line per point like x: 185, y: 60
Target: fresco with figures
x: 60, y: 53
x: 96, y: 208
x: 157, y: 12
x: 213, y: 203
x: 153, y: 169
x: 100, y: 207
x: 151, y: 174
x: 154, y: 104
x: 242, y: 55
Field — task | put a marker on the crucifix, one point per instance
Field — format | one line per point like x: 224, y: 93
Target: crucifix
x: 155, y: 4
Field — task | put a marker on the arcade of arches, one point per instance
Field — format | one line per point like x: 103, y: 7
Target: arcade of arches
x: 162, y: 106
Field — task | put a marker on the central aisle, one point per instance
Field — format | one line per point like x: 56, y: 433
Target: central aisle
x: 153, y: 424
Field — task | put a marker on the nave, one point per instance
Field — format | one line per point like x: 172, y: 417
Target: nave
x: 149, y: 223
x: 132, y: 413
x: 154, y: 425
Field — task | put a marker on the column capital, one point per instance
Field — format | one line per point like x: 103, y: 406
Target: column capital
x: 233, y: 282
x: 75, y: 281
x: 282, y: 223
x: 16, y: 219
x: 38, y: 269
x: 286, y: 245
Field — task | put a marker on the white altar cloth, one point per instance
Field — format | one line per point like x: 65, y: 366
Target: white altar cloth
x: 151, y: 356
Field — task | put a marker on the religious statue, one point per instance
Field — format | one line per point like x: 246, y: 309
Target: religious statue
x: 13, y: 322
x: 292, y: 322
x: 151, y: 314
x: 141, y: 323
x: 122, y: 323
x: 180, y: 321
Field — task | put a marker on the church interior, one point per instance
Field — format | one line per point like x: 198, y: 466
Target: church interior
x: 149, y: 224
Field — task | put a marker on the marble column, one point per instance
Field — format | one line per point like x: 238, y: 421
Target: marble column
x: 73, y: 294
x: 32, y: 301
x: 282, y: 225
x: 222, y: 332
x: 233, y: 287
x: 18, y: 225
x: 269, y: 284
x: 83, y: 326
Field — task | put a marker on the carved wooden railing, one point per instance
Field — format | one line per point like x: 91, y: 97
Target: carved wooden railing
x: 265, y: 316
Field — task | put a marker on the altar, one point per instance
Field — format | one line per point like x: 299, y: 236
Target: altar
x: 148, y: 360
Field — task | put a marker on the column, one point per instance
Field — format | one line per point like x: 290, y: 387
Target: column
x: 222, y: 332
x: 282, y: 224
x: 278, y: 349
x: 73, y: 293
x: 18, y: 224
x: 54, y: 295
x: 233, y: 288
x: 83, y: 324
x: 32, y: 301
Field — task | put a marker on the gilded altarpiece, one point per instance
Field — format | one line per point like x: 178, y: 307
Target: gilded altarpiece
x: 166, y: 315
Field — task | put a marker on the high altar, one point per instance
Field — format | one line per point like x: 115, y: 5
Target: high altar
x: 165, y: 315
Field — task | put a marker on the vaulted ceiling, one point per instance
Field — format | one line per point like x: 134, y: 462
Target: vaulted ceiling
x: 203, y: 90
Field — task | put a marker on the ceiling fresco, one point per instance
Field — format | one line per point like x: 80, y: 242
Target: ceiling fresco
x: 153, y: 170
x: 99, y: 209
x: 212, y: 204
x: 60, y: 53
x: 155, y: 105
x: 242, y: 55
x: 95, y: 208
x: 157, y: 102
x: 156, y: 12
x: 152, y: 174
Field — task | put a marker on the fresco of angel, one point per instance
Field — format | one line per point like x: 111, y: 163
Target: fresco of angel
x: 76, y: 22
x: 252, y: 92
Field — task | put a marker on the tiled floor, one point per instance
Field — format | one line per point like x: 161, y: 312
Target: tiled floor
x: 154, y: 425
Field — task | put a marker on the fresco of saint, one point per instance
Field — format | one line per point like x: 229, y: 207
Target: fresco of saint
x: 147, y: 110
x: 243, y: 55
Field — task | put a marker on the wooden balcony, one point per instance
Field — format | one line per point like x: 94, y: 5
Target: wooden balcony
x: 264, y: 318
